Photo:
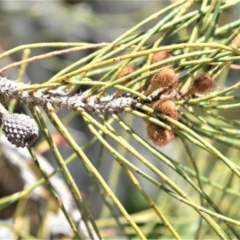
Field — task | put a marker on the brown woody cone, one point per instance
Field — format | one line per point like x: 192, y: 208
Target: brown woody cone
x: 160, y: 56
x: 126, y: 71
x: 158, y: 135
x: 202, y: 84
x: 166, y: 77
x: 235, y: 42
x: 166, y: 107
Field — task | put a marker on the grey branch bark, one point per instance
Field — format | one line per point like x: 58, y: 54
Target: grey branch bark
x: 58, y: 99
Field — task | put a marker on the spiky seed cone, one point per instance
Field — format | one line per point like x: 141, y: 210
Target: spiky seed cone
x: 166, y: 107
x: 166, y: 77
x: 202, y: 84
x: 235, y: 42
x: 158, y: 135
x: 160, y: 56
x: 20, y: 129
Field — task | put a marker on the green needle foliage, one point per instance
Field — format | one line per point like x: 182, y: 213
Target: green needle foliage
x: 179, y: 161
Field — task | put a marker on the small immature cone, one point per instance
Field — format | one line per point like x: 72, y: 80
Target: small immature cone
x: 126, y: 71
x: 166, y: 77
x: 20, y: 129
x: 159, y: 56
x: 202, y: 84
x: 235, y: 42
x: 166, y: 107
x: 158, y: 135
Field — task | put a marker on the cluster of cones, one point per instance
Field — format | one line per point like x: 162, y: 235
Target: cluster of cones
x: 167, y: 79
